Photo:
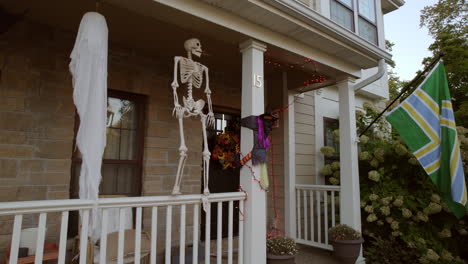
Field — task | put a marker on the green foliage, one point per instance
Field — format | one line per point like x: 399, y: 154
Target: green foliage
x: 405, y: 220
x: 446, y: 21
x: 281, y: 246
x: 343, y: 232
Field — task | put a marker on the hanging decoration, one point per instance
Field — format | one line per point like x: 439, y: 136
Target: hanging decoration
x: 191, y: 74
x: 227, y: 149
x: 261, y: 126
x: 314, y: 78
x: 88, y: 67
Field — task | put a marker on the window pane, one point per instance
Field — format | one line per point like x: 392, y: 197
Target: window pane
x: 128, y: 145
x: 367, y: 9
x: 349, y: 3
x: 112, y: 143
x: 342, y: 15
x: 119, y: 179
x: 367, y: 31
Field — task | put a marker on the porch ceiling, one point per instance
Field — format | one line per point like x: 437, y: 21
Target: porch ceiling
x: 159, y: 31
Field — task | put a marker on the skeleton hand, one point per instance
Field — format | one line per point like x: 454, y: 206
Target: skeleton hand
x: 175, y: 84
x: 178, y: 111
x: 210, y: 120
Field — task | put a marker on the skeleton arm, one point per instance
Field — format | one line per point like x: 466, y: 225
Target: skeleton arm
x: 178, y: 109
x: 210, y: 118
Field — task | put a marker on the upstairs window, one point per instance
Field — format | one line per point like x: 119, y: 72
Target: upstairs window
x: 367, y: 20
x: 343, y: 13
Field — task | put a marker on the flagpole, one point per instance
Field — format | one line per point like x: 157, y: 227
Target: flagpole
x: 405, y: 89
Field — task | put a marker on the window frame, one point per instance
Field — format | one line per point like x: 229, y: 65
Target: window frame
x: 141, y: 103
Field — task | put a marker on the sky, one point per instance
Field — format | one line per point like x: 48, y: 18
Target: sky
x: 411, y: 41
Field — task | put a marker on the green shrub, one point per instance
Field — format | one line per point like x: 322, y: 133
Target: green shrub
x: 343, y: 232
x: 405, y: 220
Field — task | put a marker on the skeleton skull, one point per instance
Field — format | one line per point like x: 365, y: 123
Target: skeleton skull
x: 193, y: 46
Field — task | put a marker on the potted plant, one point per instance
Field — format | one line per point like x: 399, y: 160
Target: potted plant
x: 346, y: 243
x: 281, y: 250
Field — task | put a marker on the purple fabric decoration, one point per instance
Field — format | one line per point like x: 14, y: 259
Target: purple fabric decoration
x: 263, y: 141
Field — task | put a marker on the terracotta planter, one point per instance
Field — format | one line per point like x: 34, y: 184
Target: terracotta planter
x: 347, y: 250
x: 281, y: 259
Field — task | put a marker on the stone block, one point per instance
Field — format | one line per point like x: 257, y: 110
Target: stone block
x: 160, y: 170
x: 49, y: 178
x: 11, y: 104
x: 16, y: 121
x: 16, y: 151
x: 154, y: 142
x: 31, y: 193
x: 31, y: 165
x: 58, y: 195
x: 49, y: 105
x: 12, y: 137
x: 8, y: 193
x: 9, y: 168
x: 52, y: 149
x: 59, y: 165
x: 155, y: 154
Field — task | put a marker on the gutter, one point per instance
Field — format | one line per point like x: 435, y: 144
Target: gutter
x: 373, y: 78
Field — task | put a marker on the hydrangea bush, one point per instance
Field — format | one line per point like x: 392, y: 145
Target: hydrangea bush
x: 404, y: 218
x: 281, y: 246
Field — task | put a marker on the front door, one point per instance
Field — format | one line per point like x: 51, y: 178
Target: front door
x: 224, y: 168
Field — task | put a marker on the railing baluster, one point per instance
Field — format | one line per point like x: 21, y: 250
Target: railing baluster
x: 103, y: 243
x: 219, y: 239
x: 306, y: 220
x: 299, y: 228
x: 182, y: 234
x: 168, y: 234
x: 240, y: 256
x: 15, y: 240
x: 63, y: 238
x: 195, y: 233
x: 325, y: 205
x: 207, y: 233
x: 154, y: 233
x: 333, y: 207
x: 230, y: 220
x: 138, y: 236
x: 40, y: 238
x: 121, y: 242
x: 84, y: 235
x: 319, y: 234
x: 312, y: 221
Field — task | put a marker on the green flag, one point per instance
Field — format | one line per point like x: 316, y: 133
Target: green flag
x: 426, y: 123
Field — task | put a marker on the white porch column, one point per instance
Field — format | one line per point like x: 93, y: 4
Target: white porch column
x: 350, y: 210
x: 252, y: 104
x: 289, y: 162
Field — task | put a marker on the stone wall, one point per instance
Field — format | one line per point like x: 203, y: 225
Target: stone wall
x: 37, y: 118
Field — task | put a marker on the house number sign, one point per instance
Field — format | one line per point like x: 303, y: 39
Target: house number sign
x: 257, y: 80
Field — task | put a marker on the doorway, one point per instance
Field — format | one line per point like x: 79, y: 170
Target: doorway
x: 224, y: 167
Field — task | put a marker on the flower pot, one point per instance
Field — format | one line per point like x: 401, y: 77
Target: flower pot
x: 347, y: 250
x: 281, y: 259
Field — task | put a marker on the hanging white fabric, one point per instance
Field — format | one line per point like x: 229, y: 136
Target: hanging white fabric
x: 88, y: 67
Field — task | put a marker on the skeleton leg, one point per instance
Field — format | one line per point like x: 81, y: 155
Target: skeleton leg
x: 206, y: 157
x: 183, y: 157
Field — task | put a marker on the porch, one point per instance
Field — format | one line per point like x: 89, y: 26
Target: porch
x: 41, y: 164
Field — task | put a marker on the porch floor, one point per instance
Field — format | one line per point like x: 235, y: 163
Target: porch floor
x: 311, y: 255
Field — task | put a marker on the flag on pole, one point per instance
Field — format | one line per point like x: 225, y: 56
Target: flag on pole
x: 426, y: 123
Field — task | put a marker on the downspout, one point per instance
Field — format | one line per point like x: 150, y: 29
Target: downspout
x: 373, y: 78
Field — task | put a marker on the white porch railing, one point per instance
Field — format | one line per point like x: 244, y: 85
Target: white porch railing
x: 316, y: 211
x: 156, y: 203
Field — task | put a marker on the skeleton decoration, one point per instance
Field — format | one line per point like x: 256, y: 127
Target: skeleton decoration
x: 191, y: 74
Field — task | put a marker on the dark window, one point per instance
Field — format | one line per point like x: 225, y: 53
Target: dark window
x: 123, y: 156
x: 329, y: 126
x: 367, y: 20
x: 342, y: 13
